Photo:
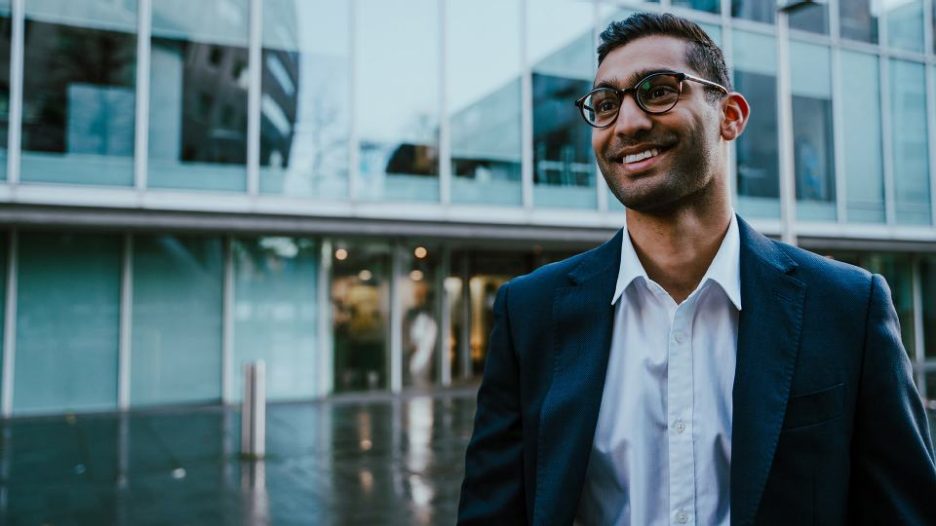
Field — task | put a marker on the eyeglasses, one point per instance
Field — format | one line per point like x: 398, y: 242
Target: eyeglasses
x: 656, y: 93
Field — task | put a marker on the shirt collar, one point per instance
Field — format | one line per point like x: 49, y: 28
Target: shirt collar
x: 725, y: 269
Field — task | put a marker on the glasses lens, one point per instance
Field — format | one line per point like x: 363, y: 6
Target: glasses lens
x: 658, y: 93
x: 601, y: 106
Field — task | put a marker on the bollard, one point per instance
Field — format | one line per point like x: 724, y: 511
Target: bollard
x: 253, y: 411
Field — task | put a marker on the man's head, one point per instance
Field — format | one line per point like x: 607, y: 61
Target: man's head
x: 658, y: 162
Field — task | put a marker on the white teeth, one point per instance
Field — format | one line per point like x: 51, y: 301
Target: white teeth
x: 633, y: 158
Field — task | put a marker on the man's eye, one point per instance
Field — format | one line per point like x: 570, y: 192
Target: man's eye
x: 659, y: 92
x: 606, y: 106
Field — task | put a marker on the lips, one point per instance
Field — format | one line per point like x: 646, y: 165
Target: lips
x: 638, y: 154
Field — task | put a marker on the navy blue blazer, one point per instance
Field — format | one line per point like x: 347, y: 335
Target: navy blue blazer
x: 827, y: 428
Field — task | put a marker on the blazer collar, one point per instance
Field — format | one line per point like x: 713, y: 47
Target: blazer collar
x: 769, y: 330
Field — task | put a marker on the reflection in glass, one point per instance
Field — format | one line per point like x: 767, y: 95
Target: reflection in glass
x: 909, y: 137
x: 710, y: 6
x: 904, y: 21
x: 562, y: 51
x: 858, y: 20
x: 360, y: 295
x: 814, y: 155
x: 483, y: 290
x: 5, y: 35
x: 813, y: 18
x: 455, y: 297
x: 4, y: 258
x: 928, y: 290
x: 396, y: 99
x: 483, y: 98
x: 275, y: 313
x: 758, y: 160
x: 861, y: 133
x: 897, y: 270
x: 177, y: 298
x: 198, y: 95
x: 67, y: 322
x: 757, y: 10
x: 421, y: 330
x: 305, y: 114
x: 78, y: 92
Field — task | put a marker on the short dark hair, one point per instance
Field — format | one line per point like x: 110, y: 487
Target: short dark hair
x: 702, y: 54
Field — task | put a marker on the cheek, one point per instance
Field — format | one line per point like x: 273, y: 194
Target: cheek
x: 598, y: 140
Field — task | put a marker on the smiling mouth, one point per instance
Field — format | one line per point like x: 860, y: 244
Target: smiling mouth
x: 642, y: 158
x: 635, y: 157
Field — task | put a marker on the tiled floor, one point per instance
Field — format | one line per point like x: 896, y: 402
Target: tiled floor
x: 351, y: 461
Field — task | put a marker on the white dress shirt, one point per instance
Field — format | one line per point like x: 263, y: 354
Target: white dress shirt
x: 662, y: 447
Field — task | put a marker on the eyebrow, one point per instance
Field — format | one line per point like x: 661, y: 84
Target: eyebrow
x: 631, y: 80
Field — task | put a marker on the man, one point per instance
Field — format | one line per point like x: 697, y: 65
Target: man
x: 691, y: 371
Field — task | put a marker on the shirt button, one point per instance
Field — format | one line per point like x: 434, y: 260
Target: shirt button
x: 678, y: 337
x: 679, y: 426
x: 682, y: 517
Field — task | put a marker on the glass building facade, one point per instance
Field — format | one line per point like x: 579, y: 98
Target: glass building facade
x: 339, y: 187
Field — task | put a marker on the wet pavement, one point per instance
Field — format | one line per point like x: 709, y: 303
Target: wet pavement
x: 368, y: 461
x: 363, y: 460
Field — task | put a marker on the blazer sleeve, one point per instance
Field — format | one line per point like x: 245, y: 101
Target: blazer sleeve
x: 493, y: 492
x: 893, y: 479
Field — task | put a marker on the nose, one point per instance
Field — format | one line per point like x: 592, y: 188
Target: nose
x: 631, y: 118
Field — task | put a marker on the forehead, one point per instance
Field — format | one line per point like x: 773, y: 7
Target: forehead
x: 645, y: 54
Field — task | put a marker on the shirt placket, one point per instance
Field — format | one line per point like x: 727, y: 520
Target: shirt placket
x: 679, y: 415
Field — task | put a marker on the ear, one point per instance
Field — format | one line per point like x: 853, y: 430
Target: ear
x: 735, y: 113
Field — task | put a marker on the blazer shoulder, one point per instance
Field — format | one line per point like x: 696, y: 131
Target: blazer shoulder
x: 557, y: 274
x: 829, y: 275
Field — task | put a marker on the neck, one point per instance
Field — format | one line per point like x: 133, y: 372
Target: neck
x: 676, y: 248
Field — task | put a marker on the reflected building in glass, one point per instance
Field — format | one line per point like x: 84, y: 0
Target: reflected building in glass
x: 339, y: 187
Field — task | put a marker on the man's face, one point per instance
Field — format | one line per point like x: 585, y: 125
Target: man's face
x: 687, y: 137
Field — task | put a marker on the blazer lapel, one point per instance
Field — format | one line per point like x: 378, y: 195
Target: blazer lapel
x: 582, y: 322
x: 768, y: 342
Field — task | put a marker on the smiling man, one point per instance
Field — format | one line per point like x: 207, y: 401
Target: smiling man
x: 690, y: 370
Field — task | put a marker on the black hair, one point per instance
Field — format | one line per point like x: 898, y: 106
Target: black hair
x: 702, y: 54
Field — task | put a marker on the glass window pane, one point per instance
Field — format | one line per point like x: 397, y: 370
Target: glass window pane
x: 6, y: 29
x: 177, y: 299
x: 4, y: 259
x: 812, y: 18
x: 561, y: 47
x: 79, y: 91
x: 418, y: 293
x: 904, y: 21
x: 814, y: 155
x: 397, y: 99
x: 864, y: 160
x: 757, y: 10
x: 758, y: 158
x: 910, y: 142
x: 276, y: 313
x: 305, y: 117
x: 858, y: 20
x: 928, y: 279
x: 896, y: 269
x: 709, y: 6
x: 483, y: 98
x: 67, y: 322
x: 360, y: 295
x: 198, y: 95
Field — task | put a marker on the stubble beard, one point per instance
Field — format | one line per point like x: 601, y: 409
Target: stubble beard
x: 687, y: 180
